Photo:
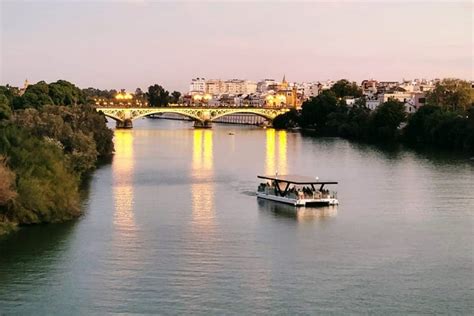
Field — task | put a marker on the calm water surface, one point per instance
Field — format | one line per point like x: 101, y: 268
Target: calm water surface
x: 172, y: 226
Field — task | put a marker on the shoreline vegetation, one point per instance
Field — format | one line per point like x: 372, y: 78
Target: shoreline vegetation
x: 446, y: 121
x: 50, y: 142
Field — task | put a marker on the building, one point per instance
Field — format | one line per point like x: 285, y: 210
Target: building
x: 234, y: 86
x: 284, y: 96
x: 263, y: 85
x: 197, y: 85
x: 250, y: 87
x: 214, y: 86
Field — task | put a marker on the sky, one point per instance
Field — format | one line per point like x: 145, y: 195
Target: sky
x: 137, y: 43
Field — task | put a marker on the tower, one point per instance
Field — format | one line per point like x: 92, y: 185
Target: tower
x: 284, y: 83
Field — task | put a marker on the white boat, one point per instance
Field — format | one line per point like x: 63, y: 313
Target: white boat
x: 296, y: 190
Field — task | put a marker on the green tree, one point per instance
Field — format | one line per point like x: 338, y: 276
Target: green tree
x: 287, y: 120
x: 175, y: 95
x: 7, y: 190
x: 385, y: 121
x: 63, y: 92
x: 157, y: 96
x: 344, y: 88
x: 5, y: 110
x: 452, y: 94
x: 315, y: 111
x: 48, y: 190
x: 79, y: 130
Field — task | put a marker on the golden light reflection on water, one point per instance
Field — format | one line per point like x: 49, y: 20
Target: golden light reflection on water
x: 276, y: 157
x: 123, y: 166
x: 282, y: 154
x: 202, y: 187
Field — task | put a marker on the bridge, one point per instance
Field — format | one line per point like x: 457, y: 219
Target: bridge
x: 202, y: 116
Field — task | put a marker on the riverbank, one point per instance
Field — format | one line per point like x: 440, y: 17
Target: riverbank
x: 46, y: 153
x: 430, y: 126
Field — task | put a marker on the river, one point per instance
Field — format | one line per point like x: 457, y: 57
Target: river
x: 173, y: 226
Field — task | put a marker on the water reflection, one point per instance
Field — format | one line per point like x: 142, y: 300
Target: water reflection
x: 270, y: 152
x: 202, y: 187
x: 300, y: 214
x: 123, y: 165
x: 276, y: 158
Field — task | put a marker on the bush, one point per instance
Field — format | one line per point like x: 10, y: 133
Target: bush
x: 47, y: 187
x: 287, y: 120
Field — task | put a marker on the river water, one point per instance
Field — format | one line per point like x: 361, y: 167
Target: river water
x: 173, y: 226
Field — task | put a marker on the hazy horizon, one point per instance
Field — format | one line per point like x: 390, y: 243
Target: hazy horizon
x: 114, y: 45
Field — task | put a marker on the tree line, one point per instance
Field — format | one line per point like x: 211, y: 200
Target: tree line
x: 156, y: 95
x: 446, y: 121
x: 50, y: 140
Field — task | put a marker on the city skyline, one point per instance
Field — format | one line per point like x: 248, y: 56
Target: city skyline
x: 138, y: 43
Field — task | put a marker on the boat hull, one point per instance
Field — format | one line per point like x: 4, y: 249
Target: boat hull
x: 300, y: 202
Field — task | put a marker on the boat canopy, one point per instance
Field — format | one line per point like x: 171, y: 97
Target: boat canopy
x: 295, y: 179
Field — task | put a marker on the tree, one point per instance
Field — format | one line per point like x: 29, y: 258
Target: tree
x: 175, y: 95
x: 5, y: 110
x: 158, y: 96
x: 48, y: 190
x: 7, y: 191
x: 343, y: 88
x: 316, y: 110
x: 286, y: 120
x: 452, y: 94
x: 386, y: 120
x: 63, y: 92
x: 139, y: 93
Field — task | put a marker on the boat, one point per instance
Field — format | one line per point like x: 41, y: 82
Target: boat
x: 297, y: 190
x: 231, y: 133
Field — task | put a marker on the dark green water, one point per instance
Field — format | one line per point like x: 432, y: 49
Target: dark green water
x: 172, y: 226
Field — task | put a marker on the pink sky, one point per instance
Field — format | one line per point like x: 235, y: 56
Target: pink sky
x: 131, y: 44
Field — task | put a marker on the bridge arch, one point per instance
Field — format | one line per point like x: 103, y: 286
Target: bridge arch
x: 219, y: 115
x: 269, y: 115
x: 112, y: 116
x: 193, y: 115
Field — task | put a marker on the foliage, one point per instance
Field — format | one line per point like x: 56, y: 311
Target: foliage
x: 386, y: 119
x: 434, y: 125
x: 46, y: 185
x: 49, y: 142
x: 325, y: 113
x: 175, y: 96
x: 287, y: 120
x: 80, y: 130
x: 331, y: 117
x: 356, y: 125
x: 452, y: 94
x: 90, y: 94
x: 344, y: 88
x: 40, y: 94
x: 7, y: 191
x: 158, y: 96
x: 63, y: 92
x: 5, y: 110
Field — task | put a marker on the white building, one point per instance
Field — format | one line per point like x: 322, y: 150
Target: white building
x: 262, y: 86
x: 309, y: 89
x: 250, y: 87
x: 197, y: 85
x: 214, y: 86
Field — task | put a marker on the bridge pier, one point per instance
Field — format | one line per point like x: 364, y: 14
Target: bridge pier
x: 202, y: 124
x: 124, y: 124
